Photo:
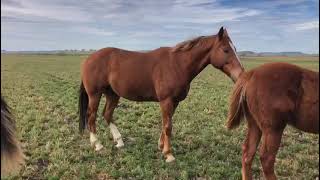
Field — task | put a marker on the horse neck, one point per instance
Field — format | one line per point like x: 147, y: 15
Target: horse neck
x: 195, y: 62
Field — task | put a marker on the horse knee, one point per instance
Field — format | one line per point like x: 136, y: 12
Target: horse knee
x: 91, y: 122
x: 244, y: 147
x: 91, y: 118
x: 267, y: 162
x: 107, y: 117
x: 247, y: 157
x: 168, y: 129
x: 92, y: 127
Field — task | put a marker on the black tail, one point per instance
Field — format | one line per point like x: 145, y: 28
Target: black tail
x: 12, y: 156
x: 83, y: 106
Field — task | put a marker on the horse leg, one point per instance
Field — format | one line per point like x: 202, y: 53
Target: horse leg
x: 160, y: 142
x: 92, y: 115
x: 112, y: 101
x: 167, y: 107
x: 271, y: 140
x: 249, y: 148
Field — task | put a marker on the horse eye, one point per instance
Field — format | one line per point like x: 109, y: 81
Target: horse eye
x: 226, y: 51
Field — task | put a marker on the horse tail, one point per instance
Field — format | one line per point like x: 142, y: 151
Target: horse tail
x: 12, y: 157
x: 83, y: 107
x: 237, y: 101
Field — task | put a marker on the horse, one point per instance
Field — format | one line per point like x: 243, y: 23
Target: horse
x: 269, y: 97
x: 12, y: 157
x: 162, y: 75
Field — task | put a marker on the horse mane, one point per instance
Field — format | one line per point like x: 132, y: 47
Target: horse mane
x: 189, y: 44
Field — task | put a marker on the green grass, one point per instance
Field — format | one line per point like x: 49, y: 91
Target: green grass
x: 43, y: 93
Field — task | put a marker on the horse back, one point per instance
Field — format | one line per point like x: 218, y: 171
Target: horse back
x: 130, y: 74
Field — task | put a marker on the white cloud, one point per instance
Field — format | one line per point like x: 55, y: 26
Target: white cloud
x: 152, y: 23
x: 204, y: 12
x: 93, y: 30
x: 222, y: 16
x: 307, y: 25
x: 109, y: 16
x: 44, y: 10
x: 179, y: 11
x: 272, y: 4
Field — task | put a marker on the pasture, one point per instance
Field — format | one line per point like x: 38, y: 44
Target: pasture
x: 43, y: 93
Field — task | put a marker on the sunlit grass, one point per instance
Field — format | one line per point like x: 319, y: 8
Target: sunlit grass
x: 43, y: 93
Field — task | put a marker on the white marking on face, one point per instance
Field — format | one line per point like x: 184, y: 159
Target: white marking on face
x: 116, y: 135
x: 234, y: 51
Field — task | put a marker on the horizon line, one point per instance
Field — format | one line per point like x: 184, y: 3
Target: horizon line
x: 83, y: 49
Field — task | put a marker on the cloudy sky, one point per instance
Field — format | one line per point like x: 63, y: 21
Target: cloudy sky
x: 272, y: 25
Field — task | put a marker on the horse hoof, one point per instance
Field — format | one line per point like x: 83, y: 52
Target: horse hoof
x: 120, y: 144
x: 170, y: 158
x: 98, y: 147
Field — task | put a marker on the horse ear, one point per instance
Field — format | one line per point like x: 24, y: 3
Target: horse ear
x: 220, y: 33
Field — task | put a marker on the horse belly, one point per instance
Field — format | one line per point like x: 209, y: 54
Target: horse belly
x: 139, y: 94
x: 135, y: 89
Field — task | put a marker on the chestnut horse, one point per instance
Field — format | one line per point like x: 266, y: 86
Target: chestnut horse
x: 161, y: 75
x: 12, y: 156
x: 269, y: 97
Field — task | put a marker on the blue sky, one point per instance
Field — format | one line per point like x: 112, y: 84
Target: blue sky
x: 273, y: 25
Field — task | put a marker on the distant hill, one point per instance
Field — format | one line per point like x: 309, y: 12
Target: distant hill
x: 282, y: 54
x: 57, y: 52
x: 83, y: 51
x: 247, y: 53
x: 294, y: 53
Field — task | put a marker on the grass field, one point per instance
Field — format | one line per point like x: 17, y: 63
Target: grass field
x: 43, y: 93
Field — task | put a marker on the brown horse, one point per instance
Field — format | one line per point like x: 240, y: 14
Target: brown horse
x: 162, y: 75
x: 270, y: 97
x: 12, y: 156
